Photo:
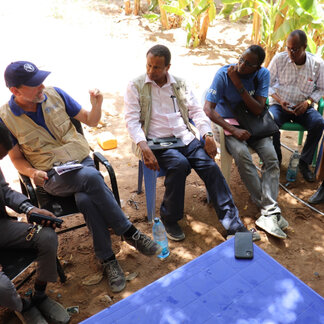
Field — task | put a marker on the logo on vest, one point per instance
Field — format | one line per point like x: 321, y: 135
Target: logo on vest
x: 53, y: 107
x: 29, y: 68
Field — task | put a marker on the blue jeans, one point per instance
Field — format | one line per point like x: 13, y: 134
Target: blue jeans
x: 178, y: 163
x: 311, y: 120
x: 264, y: 190
x: 95, y: 201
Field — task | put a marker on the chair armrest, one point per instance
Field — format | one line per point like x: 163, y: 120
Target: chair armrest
x: 27, y: 189
x: 99, y: 158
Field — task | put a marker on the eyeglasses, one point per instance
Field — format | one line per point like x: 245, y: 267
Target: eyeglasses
x: 293, y: 50
x: 247, y: 63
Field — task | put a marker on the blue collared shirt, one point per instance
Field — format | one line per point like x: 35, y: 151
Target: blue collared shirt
x: 71, y: 106
x: 222, y: 86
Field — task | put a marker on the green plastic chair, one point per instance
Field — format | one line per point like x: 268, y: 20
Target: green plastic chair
x: 290, y: 126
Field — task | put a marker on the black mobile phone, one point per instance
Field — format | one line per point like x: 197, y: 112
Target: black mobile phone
x: 38, y: 218
x: 243, y: 245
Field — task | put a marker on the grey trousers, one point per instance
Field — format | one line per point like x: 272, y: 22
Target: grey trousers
x: 264, y: 190
x: 95, y: 201
x: 13, y: 235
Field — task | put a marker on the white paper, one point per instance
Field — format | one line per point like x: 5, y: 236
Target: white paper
x: 67, y: 167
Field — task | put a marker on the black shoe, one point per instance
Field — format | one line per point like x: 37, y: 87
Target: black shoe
x: 304, y: 169
x: 143, y: 243
x: 318, y: 196
x: 115, y: 275
x: 173, y: 231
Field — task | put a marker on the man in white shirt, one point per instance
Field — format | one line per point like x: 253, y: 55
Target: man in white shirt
x: 296, y: 82
x: 159, y: 105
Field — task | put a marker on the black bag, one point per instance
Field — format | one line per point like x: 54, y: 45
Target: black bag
x: 164, y: 143
x: 259, y: 126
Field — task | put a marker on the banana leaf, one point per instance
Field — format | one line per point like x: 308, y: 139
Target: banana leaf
x: 173, y: 10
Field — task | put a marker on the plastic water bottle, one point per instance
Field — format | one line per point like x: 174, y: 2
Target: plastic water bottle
x: 159, y: 236
x: 293, y: 167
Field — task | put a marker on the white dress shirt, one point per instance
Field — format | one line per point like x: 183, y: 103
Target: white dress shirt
x: 166, y: 119
x: 296, y: 83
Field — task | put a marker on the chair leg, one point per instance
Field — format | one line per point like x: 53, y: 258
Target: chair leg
x: 140, y: 177
x: 300, y: 137
x: 150, y: 191
x: 60, y: 271
x: 225, y: 157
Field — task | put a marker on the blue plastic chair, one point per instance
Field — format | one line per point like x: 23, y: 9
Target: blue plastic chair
x: 150, y: 186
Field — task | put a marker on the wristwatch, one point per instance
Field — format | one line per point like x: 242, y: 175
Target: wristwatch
x: 309, y: 102
x: 209, y: 134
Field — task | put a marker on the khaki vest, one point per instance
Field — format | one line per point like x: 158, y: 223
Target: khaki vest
x: 145, y: 102
x: 40, y: 149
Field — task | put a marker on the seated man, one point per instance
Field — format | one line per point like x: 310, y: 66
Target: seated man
x: 44, y: 136
x: 296, y: 82
x: 158, y: 105
x: 13, y: 235
x: 247, y: 81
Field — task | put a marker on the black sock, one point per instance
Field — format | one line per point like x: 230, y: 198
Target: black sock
x: 130, y: 232
x: 26, y: 304
x: 113, y: 257
x: 40, y: 288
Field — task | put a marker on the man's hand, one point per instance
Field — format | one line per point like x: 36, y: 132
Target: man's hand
x: 39, y: 177
x: 241, y: 134
x: 285, y: 104
x: 210, y: 147
x: 301, y: 108
x: 43, y: 212
x: 96, y: 97
x: 149, y: 158
x: 233, y: 75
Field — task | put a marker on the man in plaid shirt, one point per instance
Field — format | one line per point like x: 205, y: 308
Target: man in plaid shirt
x: 296, y: 82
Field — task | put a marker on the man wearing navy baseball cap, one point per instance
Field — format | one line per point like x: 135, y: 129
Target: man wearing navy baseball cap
x: 24, y: 73
x: 39, y: 120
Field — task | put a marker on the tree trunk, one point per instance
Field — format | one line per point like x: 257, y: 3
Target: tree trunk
x: 204, y: 28
x: 256, y: 31
x: 137, y: 7
x: 164, y: 18
x: 128, y: 9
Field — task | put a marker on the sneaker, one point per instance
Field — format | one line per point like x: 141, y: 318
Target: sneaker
x: 52, y: 310
x: 318, y: 196
x: 173, y: 231
x: 282, y: 222
x: 143, y: 243
x: 115, y: 275
x: 32, y: 315
x: 271, y: 226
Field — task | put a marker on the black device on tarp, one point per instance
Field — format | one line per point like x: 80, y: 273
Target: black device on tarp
x: 243, y: 245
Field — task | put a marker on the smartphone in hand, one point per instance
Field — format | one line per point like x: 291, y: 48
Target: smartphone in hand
x: 38, y: 218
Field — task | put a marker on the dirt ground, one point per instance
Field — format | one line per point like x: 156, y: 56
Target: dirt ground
x: 96, y: 45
